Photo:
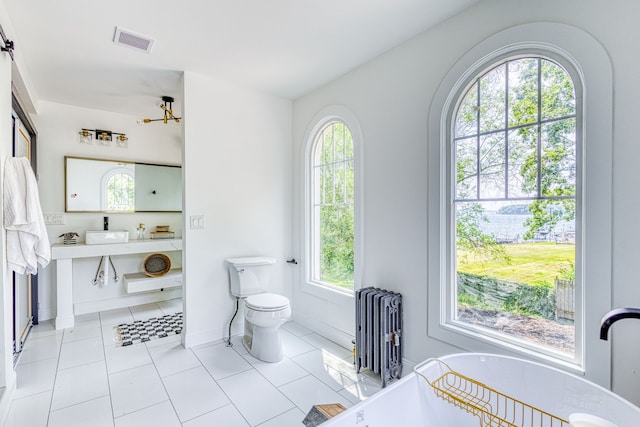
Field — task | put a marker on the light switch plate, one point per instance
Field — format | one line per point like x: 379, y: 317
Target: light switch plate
x: 196, y: 222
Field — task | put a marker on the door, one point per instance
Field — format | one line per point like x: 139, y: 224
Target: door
x: 24, y: 287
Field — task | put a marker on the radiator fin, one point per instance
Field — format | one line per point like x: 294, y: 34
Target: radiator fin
x: 379, y: 333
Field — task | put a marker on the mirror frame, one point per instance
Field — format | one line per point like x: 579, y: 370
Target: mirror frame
x: 66, y: 190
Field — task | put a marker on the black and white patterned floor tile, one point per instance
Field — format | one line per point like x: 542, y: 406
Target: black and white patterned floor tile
x: 147, y: 330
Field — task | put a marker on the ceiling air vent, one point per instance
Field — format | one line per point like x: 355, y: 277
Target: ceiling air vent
x: 130, y: 39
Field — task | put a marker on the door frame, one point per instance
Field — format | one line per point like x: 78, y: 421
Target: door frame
x: 31, y: 279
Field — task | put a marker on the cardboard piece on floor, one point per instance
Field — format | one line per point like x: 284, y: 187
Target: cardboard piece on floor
x: 321, y: 413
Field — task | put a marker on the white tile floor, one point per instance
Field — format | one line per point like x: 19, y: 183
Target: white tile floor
x: 78, y: 377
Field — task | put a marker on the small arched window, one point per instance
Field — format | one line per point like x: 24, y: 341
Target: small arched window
x: 118, y: 191
x: 331, y: 228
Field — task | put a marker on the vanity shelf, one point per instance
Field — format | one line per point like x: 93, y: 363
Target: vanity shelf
x: 140, y: 282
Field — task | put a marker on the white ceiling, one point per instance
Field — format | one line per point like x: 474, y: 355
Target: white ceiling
x: 282, y: 47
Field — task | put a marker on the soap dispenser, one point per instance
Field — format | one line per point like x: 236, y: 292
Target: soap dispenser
x: 106, y: 223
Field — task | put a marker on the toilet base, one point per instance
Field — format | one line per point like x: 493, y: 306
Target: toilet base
x: 263, y: 343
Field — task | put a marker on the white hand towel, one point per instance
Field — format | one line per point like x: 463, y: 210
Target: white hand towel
x: 27, y: 238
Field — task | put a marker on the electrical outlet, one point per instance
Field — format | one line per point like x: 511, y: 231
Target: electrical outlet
x: 55, y: 219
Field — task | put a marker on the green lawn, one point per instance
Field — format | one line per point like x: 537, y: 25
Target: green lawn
x: 530, y: 263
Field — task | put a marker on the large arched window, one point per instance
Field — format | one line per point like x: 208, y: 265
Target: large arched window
x: 514, y: 168
x: 332, y: 207
x: 520, y: 169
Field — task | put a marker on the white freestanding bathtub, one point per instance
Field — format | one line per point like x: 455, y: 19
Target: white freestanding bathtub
x: 411, y: 401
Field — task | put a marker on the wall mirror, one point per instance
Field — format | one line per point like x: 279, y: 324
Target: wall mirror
x: 98, y: 185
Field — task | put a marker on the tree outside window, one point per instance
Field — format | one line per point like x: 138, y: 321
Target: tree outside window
x: 514, y: 203
x: 333, y: 206
x: 120, y: 192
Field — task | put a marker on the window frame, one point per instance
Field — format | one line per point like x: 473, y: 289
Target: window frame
x: 590, y: 69
x: 448, y: 288
x: 309, y: 284
x: 104, y: 198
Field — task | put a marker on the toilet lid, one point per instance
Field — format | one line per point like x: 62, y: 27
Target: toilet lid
x: 267, y: 302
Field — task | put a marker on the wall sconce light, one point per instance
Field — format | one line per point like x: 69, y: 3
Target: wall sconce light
x: 103, y: 136
x: 167, y: 106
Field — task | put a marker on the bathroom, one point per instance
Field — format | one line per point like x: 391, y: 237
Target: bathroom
x: 246, y: 181
x: 246, y: 230
x: 159, y: 145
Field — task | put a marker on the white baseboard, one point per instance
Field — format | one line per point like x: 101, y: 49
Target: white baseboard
x: 126, y: 301
x: 327, y: 331
x: 46, y: 313
x: 209, y: 336
x: 341, y: 337
x: 64, y: 322
x: 407, y: 366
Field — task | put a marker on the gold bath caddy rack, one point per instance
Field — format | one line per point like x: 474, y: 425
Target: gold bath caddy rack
x: 493, y: 408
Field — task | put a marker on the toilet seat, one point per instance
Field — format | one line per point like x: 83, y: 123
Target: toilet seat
x: 267, y: 302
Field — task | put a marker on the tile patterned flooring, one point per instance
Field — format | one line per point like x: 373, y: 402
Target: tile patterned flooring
x: 78, y: 377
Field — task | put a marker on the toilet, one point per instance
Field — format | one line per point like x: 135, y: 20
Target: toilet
x: 264, y: 312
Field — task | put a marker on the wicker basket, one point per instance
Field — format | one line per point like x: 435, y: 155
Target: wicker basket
x: 156, y: 265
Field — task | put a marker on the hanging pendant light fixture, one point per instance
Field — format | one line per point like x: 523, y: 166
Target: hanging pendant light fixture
x: 167, y: 106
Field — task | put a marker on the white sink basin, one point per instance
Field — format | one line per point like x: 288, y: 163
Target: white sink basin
x: 102, y: 237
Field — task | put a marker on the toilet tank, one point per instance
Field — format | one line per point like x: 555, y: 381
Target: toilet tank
x: 249, y: 275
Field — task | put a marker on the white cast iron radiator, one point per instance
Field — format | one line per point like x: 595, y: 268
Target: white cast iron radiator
x: 379, y: 333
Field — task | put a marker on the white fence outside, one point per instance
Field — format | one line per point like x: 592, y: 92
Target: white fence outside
x: 565, y: 299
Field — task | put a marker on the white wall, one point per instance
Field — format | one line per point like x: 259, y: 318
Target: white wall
x: 16, y: 72
x: 391, y: 97
x: 7, y: 375
x: 57, y: 126
x: 237, y: 166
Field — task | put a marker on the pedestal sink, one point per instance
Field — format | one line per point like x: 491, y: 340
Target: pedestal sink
x: 103, y: 237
